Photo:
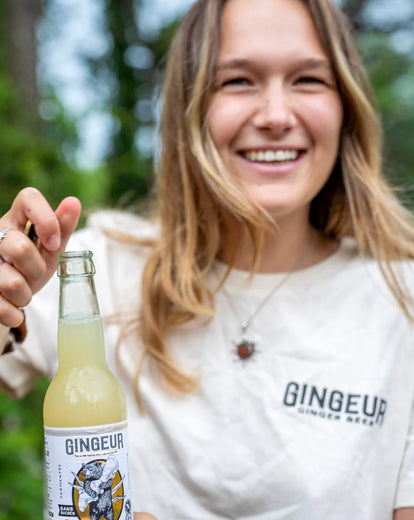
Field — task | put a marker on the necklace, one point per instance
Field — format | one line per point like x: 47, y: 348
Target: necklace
x: 245, y: 347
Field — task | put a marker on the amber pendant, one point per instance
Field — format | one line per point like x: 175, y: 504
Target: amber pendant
x: 245, y: 349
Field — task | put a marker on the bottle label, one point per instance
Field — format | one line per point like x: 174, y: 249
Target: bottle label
x: 87, y: 473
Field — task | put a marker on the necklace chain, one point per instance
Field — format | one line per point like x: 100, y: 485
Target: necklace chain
x: 246, y: 348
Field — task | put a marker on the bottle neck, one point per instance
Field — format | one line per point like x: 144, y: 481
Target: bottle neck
x: 80, y: 336
x: 78, y: 299
x: 80, y: 342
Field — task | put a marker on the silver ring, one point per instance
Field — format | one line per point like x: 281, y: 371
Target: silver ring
x: 3, y: 234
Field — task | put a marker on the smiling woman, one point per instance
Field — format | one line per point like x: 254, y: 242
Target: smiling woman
x: 275, y: 115
x: 262, y: 323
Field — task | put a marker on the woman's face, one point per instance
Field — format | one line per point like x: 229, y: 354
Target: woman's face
x: 275, y: 115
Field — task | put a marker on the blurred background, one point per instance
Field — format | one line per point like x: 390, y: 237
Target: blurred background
x: 79, y: 82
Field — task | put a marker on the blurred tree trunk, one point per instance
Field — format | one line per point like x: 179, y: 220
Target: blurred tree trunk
x: 133, y: 63
x: 129, y: 171
x: 354, y: 10
x: 21, y: 20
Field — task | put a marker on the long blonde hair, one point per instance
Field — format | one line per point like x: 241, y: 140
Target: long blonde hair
x: 198, y: 201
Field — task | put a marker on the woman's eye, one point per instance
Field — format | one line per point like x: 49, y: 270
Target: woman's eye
x: 235, y: 81
x: 310, y: 79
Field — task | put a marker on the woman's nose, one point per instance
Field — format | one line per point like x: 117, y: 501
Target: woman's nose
x: 274, y: 110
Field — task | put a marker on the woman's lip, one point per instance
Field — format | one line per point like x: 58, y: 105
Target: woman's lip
x: 272, y: 149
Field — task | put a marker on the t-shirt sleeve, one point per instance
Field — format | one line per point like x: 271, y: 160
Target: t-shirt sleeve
x: 405, y: 489
x: 36, y: 356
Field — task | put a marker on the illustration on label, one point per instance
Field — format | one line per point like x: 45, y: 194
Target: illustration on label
x: 98, y: 491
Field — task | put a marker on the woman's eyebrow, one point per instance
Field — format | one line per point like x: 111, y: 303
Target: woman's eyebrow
x: 314, y: 63
x: 234, y: 63
x: 309, y: 63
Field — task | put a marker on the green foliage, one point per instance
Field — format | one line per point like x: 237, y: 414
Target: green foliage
x: 392, y: 75
x: 131, y: 63
x: 21, y: 456
x: 30, y: 149
x: 129, y: 171
x: 28, y: 156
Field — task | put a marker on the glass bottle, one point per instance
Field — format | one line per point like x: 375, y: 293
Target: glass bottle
x: 84, y: 410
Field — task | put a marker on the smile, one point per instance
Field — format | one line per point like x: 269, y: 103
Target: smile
x: 271, y: 156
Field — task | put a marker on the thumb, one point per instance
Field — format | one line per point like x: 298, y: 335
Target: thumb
x: 68, y: 213
x: 143, y: 516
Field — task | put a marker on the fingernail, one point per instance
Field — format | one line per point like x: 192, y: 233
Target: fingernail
x: 53, y: 242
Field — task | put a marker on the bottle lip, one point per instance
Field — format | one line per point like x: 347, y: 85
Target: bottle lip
x: 75, y: 264
x: 75, y: 254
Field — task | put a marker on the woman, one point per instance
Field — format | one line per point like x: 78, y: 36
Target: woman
x: 273, y: 313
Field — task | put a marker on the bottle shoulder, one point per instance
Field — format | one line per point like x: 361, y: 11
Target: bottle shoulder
x: 91, y: 381
x: 84, y: 396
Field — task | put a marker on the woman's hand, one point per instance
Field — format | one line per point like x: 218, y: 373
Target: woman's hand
x: 143, y: 516
x: 24, y: 267
x: 405, y: 513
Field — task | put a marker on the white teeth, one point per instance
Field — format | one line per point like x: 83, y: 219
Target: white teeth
x: 272, y: 155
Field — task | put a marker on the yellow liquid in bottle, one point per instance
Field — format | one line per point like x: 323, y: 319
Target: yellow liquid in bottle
x: 84, y: 392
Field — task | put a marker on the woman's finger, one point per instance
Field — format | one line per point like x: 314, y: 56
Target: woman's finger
x: 10, y: 316
x: 67, y: 215
x: 13, y: 286
x: 17, y: 250
x: 31, y: 205
x: 53, y: 228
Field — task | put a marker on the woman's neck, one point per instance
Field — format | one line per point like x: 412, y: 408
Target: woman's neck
x: 284, y: 249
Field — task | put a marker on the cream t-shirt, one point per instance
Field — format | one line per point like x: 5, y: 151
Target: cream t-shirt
x: 317, y: 424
